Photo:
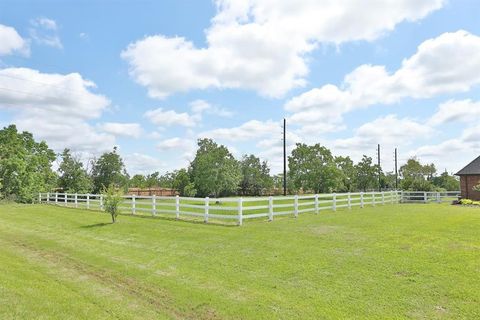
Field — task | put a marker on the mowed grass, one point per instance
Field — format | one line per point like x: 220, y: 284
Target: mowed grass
x: 394, y: 261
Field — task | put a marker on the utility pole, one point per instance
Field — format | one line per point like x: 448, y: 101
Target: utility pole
x: 379, y: 169
x: 396, y: 170
x: 284, y: 157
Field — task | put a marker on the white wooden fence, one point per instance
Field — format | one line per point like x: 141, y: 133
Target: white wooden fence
x: 240, y: 209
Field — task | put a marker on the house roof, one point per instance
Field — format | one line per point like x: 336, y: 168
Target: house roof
x: 471, y: 168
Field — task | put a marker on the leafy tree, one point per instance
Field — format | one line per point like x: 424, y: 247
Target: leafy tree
x: 181, y: 180
x: 25, y: 165
x: 138, y: 181
x: 152, y: 180
x: 109, y: 169
x: 189, y: 190
x: 112, y: 200
x: 446, y: 182
x: 348, y: 173
x: 255, y: 176
x: 366, y: 174
x: 416, y: 177
x: 214, y: 171
x: 167, y: 180
x: 313, y: 168
x: 73, y: 177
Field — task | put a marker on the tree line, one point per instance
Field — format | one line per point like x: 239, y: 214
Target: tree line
x: 26, y: 168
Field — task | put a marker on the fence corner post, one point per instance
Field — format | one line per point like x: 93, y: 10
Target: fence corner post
x: 334, y: 204
x: 295, y: 206
x: 240, y: 211
x: 177, y: 207
x: 361, y: 200
x: 207, y: 200
x: 316, y: 203
x: 154, y: 205
x: 270, y: 208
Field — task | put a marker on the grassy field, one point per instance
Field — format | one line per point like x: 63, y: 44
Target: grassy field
x: 393, y: 261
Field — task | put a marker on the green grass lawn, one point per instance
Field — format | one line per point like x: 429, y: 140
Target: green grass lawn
x: 393, y: 261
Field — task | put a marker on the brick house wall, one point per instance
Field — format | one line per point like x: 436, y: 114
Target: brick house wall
x: 467, y: 182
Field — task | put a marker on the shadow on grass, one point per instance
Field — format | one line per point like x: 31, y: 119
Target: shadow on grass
x: 210, y: 223
x: 96, y: 225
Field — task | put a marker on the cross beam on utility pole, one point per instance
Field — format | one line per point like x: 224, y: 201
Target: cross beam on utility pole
x: 284, y: 157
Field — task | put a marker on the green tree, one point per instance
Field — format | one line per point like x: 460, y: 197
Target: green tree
x: 109, y: 169
x: 112, y: 200
x: 366, y: 174
x: 348, y: 173
x: 214, y: 171
x: 25, y: 165
x: 417, y: 177
x: 181, y: 180
x: 138, y: 181
x: 255, y: 176
x: 190, y: 190
x: 446, y: 182
x: 152, y: 180
x: 313, y: 168
x: 73, y: 177
x: 167, y: 180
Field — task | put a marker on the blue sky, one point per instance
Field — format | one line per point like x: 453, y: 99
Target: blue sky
x: 154, y: 76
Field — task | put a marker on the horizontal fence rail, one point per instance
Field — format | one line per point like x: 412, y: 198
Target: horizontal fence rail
x: 240, y: 209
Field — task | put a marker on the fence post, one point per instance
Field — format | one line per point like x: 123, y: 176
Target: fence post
x: 177, y: 207
x: 134, y: 209
x: 76, y: 200
x: 101, y: 202
x: 373, y: 198
x: 295, y: 206
x: 383, y: 197
x: 48, y: 197
x: 206, y: 209
x: 316, y: 204
x: 270, y: 208
x: 56, y: 197
x: 401, y: 196
x: 240, y: 212
x: 39, y: 197
x: 424, y: 197
x: 361, y: 199
x: 439, y: 198
x: 154, y: 205
x: 88, y: 201
x: 349, y: 201
x: 391, y: 197
x: 65, y: 198
x: 334, y: 204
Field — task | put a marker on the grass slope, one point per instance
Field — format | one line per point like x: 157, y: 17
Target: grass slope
x: 402, y: 261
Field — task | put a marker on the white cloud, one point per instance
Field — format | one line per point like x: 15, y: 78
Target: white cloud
x: 389, y: 131
x: 137, y: 163
x: 133, y: 130
x: 250, y: 130
x: 262, y: 45
x: 11, y: 41
x: 201, y: 106
x: 446, y: 64
x: 45, y: 31
x: 456, y: 110
x: 176, y: 144
x: 55, y: 107
x: 170, y: 117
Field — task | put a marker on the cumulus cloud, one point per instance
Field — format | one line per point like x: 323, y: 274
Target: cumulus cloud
x: 162, y: 118
x: 137, y: 163
x: 253, y: 129
x: 44, y: 31
x: 133, y: 130
x: 176, y: 144
x: 11, y: 42
x: 456, y: 111
x: 262, y: 45
x: 55, y: 107
x: 446, y: 64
